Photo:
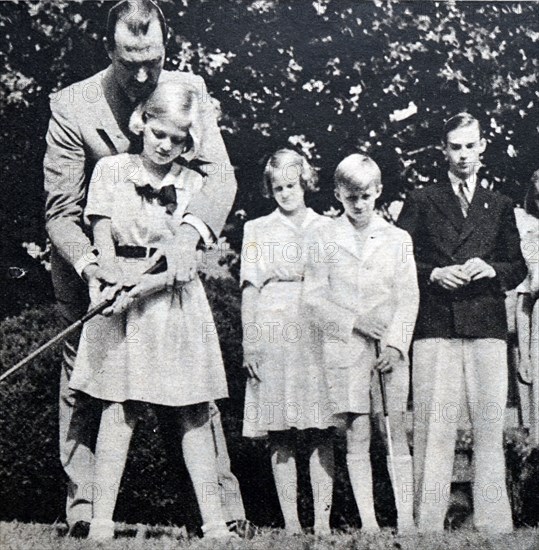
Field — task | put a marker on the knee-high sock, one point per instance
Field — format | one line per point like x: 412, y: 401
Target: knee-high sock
x: 201, y: 463
x: 321, y: 467
x: 360, y: 472
x: 112, y: 445
x: 283, y: 463
x: 403, y: 488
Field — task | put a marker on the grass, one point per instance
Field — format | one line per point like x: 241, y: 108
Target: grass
x: 21, y: 536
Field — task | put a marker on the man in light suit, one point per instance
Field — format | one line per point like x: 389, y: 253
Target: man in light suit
x: 467, y: 252
x: 89, y: 121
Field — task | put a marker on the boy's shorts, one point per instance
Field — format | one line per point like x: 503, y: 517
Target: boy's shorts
x: 397, y: 389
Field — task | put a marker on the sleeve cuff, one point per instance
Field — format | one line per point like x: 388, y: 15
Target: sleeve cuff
x: 84, y: 261
x: 204, y: 231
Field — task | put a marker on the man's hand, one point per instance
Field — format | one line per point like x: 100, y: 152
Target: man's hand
x: 476, y: 269
x: 450, y: 277
x: 370, y: 326
x: 146, y: 286
x: 182, y: 256
x: 251, y: 364
x: 103, y: 283
x: 389, y: 359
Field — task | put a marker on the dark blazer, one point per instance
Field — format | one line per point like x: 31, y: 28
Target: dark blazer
x: 442, y: 237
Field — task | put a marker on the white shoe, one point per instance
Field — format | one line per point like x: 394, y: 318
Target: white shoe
x: 101, y: 529
x: 218, y: 531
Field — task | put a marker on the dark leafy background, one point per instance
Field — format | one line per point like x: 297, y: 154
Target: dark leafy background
x: 328, y: 77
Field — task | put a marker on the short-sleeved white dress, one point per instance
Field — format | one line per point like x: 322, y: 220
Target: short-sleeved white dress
x: 292, y: 392
x: 164, y: 349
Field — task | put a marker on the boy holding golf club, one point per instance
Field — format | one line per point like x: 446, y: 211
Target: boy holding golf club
x: 365, y: 295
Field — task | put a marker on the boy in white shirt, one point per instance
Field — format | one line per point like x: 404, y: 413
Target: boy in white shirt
x: 366, y: 292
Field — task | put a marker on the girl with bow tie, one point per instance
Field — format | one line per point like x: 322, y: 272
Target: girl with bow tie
x: 149, y: 349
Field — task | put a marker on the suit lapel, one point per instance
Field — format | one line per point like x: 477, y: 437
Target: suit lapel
x: 376, y: 233
x: 345, y: 237
x: 447, y: 203
x: 113, y: 113
x: 479, y: 208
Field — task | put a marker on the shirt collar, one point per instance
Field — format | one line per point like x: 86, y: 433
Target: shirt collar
x: 470, y: 183
x: 309, y: 218
x: 376, y: 223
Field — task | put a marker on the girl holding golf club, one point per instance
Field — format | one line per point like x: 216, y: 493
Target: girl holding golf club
x: 149, y: 349
x: 286, y: 396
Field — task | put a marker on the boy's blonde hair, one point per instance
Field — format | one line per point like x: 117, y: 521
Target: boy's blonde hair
x: 284, y: 159
x: 171, y: 100
x: 354, y: 166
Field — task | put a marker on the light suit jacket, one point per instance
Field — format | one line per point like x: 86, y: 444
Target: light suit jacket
x: 89, y: 120
x: 342, y: 281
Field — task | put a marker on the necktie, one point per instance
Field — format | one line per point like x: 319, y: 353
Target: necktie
x: 463, y: 199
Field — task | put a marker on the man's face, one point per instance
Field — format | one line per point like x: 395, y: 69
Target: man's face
x: 463, y: 149
x: 137, y: 60
x: 358, y: 200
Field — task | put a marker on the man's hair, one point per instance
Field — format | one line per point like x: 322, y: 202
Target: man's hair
x: 530, y: 202
x: 137, y: 15
x: 348, y: 170
x: 459, y: 121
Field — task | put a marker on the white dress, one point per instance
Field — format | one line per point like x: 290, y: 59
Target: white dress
x: 164, y: 349
x: 292, y: 392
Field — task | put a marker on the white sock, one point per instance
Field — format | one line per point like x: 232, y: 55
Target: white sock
x: 322, y: 472
x: 360, y: 472
x: 283, y: 462
x: 403, y: 488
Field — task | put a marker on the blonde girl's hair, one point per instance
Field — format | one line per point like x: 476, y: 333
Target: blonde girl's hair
x: 290, y: 163
x: 170, y: 101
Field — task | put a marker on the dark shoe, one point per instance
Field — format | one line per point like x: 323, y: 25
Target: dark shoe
x: 79, y: 530
x: 244, y: 528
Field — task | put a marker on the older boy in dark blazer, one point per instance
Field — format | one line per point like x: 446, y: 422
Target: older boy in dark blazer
x: 467, y: 252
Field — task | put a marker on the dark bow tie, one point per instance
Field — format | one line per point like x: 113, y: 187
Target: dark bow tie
x: 165, y: 196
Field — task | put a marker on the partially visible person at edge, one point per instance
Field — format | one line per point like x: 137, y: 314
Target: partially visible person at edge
x: 467, y: 250
x: 527, y: 311
x: 80, y: 133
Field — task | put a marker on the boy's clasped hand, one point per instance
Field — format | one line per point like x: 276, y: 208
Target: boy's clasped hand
x: 452, y: 277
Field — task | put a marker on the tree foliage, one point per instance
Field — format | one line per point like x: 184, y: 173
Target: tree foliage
x: 326, y: 76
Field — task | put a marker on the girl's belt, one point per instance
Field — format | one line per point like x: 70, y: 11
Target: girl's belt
x: 290, y: 279
x: 128, y: 251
